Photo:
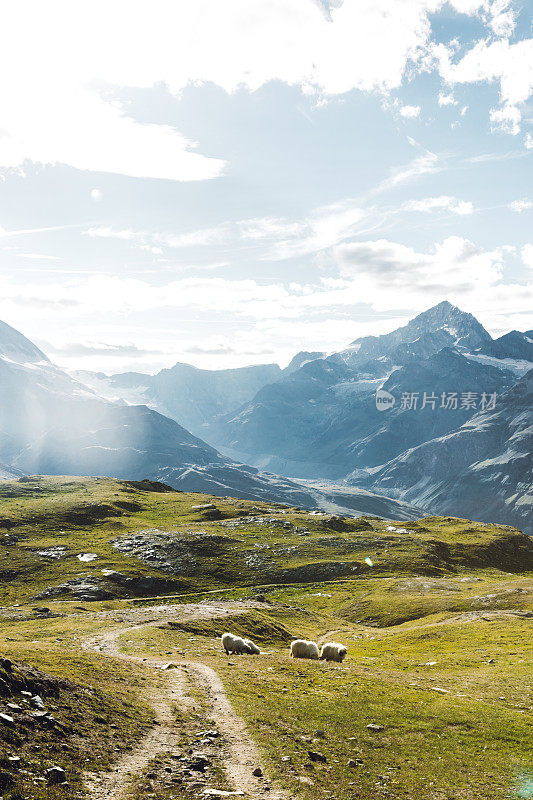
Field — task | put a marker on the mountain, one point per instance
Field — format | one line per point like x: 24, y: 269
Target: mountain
x: 444, y: 325
x: 52, y: 424
x: 454, y: 433
x: 193, y: 397
x: 15, y: 346
x: 513, y: 351
x: 321, y: 420
x: 301, y: 358
x: 483, y: 470
x: 381, y: 435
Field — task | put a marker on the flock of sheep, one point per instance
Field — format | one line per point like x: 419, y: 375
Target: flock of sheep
x: 300, y: 648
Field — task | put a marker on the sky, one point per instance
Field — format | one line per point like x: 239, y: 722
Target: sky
x: 227, y: 182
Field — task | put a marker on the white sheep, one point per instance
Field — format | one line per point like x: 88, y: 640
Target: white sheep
x: 301, y: 648
x: 254, y: 650
x: 333, y: 651
x: 234, y: 644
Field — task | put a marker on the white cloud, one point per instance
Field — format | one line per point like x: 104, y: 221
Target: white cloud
x: 105, y: 232
x: 502, y: 18
x: 39, y: 256
x: 454, y: 268
x: 442, y: 203
x: 376, y: 272
x: 528, y: 141
x: 488, y: 61
x: 66, y: 60
x: 410, y: 112
x: 61, y: 63
x: 324, y: 228
x: 521, y: 205
x: 96, y: 195
x: 4, y: 234
x: 380, y: 276
x: 447, y: 99
x: 281, y: 238
x: 426, y: 164
x: 527, y: 255
x: 507, y: 118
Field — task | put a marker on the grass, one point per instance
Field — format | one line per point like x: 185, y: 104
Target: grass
x: 47, y: 522
x: 454, y: 700
x: 98, y: 712
x: 438, y: 637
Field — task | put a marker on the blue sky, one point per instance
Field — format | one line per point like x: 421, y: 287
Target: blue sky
x: 230, y: 181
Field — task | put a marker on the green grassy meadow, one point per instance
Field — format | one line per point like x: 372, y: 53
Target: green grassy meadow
x: 438, y: 631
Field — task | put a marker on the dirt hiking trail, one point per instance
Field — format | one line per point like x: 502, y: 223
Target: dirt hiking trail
x: 240, y: 756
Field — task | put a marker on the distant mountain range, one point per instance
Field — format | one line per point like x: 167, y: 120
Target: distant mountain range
x: 51, y: 423
x: 318, y: 421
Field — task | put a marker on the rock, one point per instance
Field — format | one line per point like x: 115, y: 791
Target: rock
x: 374, y: 727
x: 354, y: 762
x: 7, y: 719
x: 286, y: 759
x: 304, y: 778
x: 113, y: 575
x: 337, y: 524
x: 203, y: 507
x: 6, y: 664
x: 170, y: 665
x: 320, y: 734
x: 439, y: 690
x: 41, y: 610
x: 199, y: 762
x: 258, y: 772
x: 316, y: 756
x: 14, y: 762
x: 221, y: 793
x: 14, y: 707
x: 37, y: 702
x: 55, y: 776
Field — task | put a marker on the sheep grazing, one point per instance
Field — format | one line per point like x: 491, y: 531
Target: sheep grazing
x: 301, y: 648
x: 333, y: 651
x: 234, y: 644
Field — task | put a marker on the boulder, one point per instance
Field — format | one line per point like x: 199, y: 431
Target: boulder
x: 55, y: 776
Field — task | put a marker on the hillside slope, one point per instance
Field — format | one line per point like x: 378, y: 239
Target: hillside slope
x: 113, y: 684
x: 50, y: 423
x: 483, y: 469
x: 144, y: 538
